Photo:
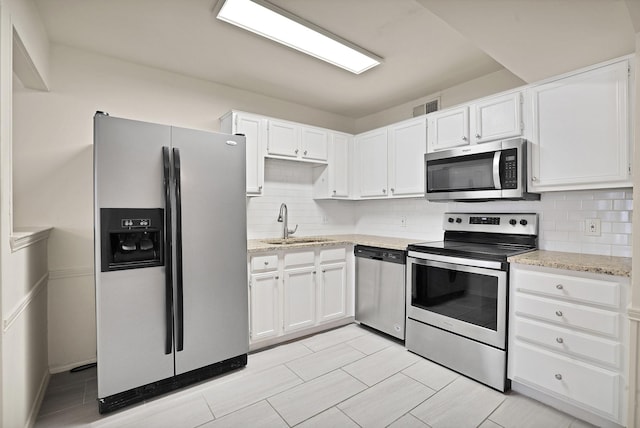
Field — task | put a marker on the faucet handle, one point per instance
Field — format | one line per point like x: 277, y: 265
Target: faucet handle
x: 291, y: 232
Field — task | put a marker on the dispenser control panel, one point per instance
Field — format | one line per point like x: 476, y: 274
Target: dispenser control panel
x: 135, y: 223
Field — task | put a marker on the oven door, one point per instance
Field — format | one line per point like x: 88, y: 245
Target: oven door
x: 464, y: 296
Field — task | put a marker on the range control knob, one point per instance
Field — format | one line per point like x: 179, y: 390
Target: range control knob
x: 523, y: 222
x: 458, y: 220
x: 450, y: 219
x: 513, y: 222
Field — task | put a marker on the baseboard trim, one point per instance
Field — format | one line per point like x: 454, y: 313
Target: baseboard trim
x: 24, y: 303
x: 67, y: 367
x: 37, y: 403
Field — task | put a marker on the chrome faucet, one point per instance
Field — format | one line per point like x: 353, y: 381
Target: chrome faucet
x: 283, y: 218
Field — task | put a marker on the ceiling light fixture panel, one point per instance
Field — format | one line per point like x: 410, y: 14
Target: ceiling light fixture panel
x: 263, y: 18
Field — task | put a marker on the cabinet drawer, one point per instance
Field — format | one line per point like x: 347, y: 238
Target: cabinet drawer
x: 264, y: 263
x: 569, y: 314
x: 333, y: 255
x: 596, y: 291
x: 583, y: 383
x: 305, y: 258
x: 569, y: 342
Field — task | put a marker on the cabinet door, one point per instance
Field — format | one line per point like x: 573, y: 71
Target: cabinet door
x: 581, y: 132
x: 264, y: 305
x: 332, y: 291
x: 449, y: 128
x: 299, y: 298
x: 339, y: 166
x: 407, y: 147
x: 497, y: 118
x: 371, y: 153
x: 283, y: 138
x: 253, y: 128
x: 314, y: 144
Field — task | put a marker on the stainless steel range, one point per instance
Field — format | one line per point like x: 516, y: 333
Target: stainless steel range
x: 457, y: 292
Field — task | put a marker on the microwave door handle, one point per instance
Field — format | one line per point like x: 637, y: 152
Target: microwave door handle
x: 496, y: 170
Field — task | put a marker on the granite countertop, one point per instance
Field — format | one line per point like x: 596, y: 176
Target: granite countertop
x: 258, y: 245
x: 608, y: 265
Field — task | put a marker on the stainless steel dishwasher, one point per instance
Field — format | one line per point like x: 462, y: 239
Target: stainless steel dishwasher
x: 380, y: 289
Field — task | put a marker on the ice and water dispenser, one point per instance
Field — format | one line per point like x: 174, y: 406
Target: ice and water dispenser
x: 131, y: 238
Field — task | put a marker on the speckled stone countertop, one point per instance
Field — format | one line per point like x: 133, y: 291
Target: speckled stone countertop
x: 258, y: 245
x: 608, y: 265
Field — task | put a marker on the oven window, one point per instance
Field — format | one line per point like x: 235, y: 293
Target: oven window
x: 473, y: 172
x: 468, y: 297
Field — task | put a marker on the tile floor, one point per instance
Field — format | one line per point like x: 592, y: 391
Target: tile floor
x: 347, y: 377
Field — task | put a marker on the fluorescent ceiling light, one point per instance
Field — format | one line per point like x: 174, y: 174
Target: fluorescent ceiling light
x: 268, y: 20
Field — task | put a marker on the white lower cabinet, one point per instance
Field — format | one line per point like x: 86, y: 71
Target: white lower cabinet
x: 568, y: 339
x: 299, y: 286
x: 297, y: 292
x: 332, y: 291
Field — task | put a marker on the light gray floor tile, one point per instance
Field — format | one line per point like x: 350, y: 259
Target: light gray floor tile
x: 272, y: 357
x: 577, y: 423
x: 78, y: 416
x: 381, y: 365
x: 522, y: 412
x: 489, y: 424
x: 333, y: 337
x: 462, y: 403
x: 386, y: 401
x: 332, y: 418
x: 259, y: 415
x: 67, y: 378
x: 304, y: 401
x: 228, y: 396
x: 325, y: 361
x: 408, y: 421
x: 171, y: 411
x: 431, y: 374
x: 371, y: 343
x: 63, y: 397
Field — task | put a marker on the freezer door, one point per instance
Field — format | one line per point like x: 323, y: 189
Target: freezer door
x: 211, y: 314
x: 131, y: 324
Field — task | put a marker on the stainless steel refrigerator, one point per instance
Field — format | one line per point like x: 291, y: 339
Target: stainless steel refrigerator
x: 170, y: 257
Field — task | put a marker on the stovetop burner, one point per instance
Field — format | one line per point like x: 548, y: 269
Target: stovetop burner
x: 484, y: 236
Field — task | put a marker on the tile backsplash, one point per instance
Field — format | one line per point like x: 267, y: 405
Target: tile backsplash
x: 562, y: 214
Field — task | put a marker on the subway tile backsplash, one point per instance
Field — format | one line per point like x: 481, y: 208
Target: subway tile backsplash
x: 562, y: 214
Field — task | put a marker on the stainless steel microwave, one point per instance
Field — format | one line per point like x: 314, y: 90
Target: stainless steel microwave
x: 488, y: 171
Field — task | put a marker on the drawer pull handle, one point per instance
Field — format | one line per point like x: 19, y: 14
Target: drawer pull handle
x: 266, y: 263
x: 559, y: 340
x: 559, y: 313
x: 559, y: 287
x: 558, y: 376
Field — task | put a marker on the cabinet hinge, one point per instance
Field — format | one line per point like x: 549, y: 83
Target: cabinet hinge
x: 521, y: 127
x: 521, y: 98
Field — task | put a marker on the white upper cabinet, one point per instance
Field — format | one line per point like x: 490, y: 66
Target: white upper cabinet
x: 496, y: 118
x: 314, y: 143
x: 448, y: 128
x: 580, y: 130
x: 406, y: 150
x: 390, y: 160
x: 488, y: 119
x: 254, y: 128
x: 295, y: 141
x: 371, y: 155
x: 283, y: 138
x: 333, y: 180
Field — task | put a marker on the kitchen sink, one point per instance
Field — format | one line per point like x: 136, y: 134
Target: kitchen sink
x: 289, y: 241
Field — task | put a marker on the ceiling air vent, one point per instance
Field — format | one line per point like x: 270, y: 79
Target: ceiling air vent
x: 426, y: 108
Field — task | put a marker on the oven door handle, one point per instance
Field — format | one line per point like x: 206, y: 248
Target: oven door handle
x: 496, y: 170
x: 423, y: 259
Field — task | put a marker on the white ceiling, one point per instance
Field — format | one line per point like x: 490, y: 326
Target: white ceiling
x: 427, y: 45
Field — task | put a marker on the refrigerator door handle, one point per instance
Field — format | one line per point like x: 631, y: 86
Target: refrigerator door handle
x: 179, y: 282
x: 168, y: 248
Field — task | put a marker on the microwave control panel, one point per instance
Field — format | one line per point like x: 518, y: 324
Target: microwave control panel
x: 509, y: 169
